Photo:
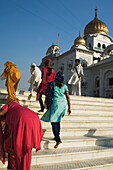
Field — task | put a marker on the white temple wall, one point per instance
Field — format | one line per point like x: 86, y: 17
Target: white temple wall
x: 103, y: 72
x: 85, y: 56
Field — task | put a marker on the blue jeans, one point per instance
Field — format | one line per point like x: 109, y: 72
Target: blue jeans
x: 56, y: 130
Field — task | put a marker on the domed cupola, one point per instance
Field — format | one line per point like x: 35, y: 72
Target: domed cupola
x: 52, y: 49
x: 96, y: 26
x: 79, y: 40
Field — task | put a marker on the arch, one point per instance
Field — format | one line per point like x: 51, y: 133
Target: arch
x: 89, y: 45
x: 84, y: 63
x: 103, y: 46
x: 107, y: 76
x: 97, y: 86
x: 97, y: 82
x: 70, y: 64
x: 99, y: 45
x: 107, y: 50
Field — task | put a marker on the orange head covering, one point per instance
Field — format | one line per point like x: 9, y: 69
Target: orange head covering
x: 13, y: 76
x: 8, y: 65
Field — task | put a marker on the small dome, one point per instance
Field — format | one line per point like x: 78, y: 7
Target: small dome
x: 52, y: 49
x: 96, y: 26
x: 79, y: 40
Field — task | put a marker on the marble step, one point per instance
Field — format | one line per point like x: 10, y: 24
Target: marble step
x: 88, y: 164
x: 27, y: 93
x: 81, y: 112
x: 75, y: 109
x: 70, y: 132
x: 93, y: 99
x: 89, y: 107
x: 91, y: 103
x: 18, y: 92
x: 91, y: 158
x: 61, y: 155
x: 75, y: 104
x: 88, y: 117
x: 89, y: 110
x: 79, y: 141
x: 76, y: 117
x: 25, y: 96
x: 34, y: 103
x: 81, y: 124
x: 106, y: 102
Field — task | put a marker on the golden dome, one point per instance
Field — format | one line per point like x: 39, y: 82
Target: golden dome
x: 96, y: 26
x: 52, y: 49
x: 79, y: 40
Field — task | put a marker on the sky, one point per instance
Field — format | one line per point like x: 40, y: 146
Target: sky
x: 29, y: 27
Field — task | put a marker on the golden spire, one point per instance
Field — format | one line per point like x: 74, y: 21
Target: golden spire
x: 95, y: 12
x: 79, y: 40
x: 52, y: 48
x: 96, y: 26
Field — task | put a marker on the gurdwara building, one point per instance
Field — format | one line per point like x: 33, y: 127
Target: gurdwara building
x: 96, y: 56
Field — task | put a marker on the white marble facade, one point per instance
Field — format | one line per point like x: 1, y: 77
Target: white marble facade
x: 96, y: 57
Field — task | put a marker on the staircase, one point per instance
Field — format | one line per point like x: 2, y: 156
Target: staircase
x: 87, y: 135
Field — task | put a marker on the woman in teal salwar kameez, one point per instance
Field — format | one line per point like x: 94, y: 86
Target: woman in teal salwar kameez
x: 58, y: 106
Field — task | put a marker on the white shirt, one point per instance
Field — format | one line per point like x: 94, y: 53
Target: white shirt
x: 74, y: 78
x: 36, y: 75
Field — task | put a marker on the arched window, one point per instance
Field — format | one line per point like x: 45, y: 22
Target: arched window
x: 111, y: 81
x: 103, y: 46
x: 108, y: 79
x: 84, y: 65
x: 97, y: 83
x: 99, y: 45
x: 89, y: 44
x: 108, y: 84
x: 97, y: 86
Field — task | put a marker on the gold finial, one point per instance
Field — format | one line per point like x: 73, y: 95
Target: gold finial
x: 79, y: 40
x: 96, y: 26
x: 58, y: 40
x: 79, y: 34
x: 95, y: 12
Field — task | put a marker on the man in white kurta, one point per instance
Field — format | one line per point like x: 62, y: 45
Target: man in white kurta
x: 35, y: 77
x: 76, y: 78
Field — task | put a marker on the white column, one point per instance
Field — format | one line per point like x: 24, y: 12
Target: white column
x: 102, y: 93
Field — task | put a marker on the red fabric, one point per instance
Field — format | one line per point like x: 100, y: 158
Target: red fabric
x: 24, y: 128
x: 45, y: 80
x: 2, y: 153
x: 24, y: 163
x: 11, y: 161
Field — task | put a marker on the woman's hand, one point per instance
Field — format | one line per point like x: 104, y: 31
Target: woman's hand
x: 69, y: 111
x: 2, y: 112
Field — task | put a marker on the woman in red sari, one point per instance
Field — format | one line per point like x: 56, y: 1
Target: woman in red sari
x: 20, y: 131
x: 48, y: 75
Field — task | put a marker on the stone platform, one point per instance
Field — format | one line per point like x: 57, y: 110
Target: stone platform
x: 87, y: 135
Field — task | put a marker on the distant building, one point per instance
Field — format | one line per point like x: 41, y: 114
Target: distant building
x: 95, y: 53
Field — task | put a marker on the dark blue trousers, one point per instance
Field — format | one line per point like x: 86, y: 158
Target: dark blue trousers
x: 56, y: 130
